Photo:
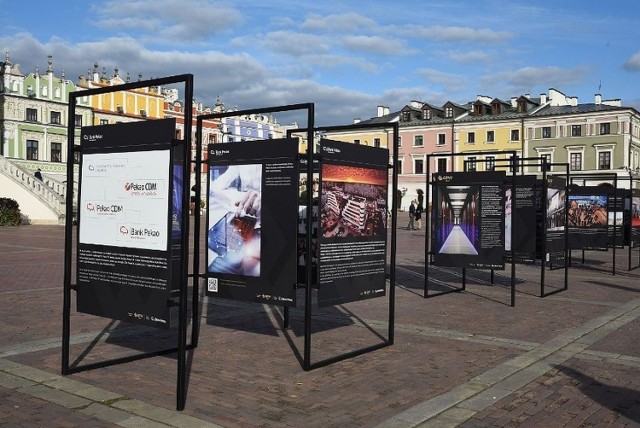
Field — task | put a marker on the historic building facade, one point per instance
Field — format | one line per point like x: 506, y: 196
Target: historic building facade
x: 33, y: 121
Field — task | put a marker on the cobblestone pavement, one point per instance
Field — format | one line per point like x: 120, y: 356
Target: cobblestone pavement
x: 462, y: 359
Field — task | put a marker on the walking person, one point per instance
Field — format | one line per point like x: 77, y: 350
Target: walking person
x: 418, y: 216
x: 412, y: 214
x: 38, y: 174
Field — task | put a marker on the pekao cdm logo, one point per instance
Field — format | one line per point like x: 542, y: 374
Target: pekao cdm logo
x: 104, y: 209
x: 150, y: 186
x: 124, y: 230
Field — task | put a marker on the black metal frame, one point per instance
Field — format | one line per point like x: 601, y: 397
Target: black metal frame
x: 606, y: 177
x: 310, y: 131
x: 181, y: 384
x: 307, y: 364
x: 546, y: 166
x: 632, y: 181
x: 513, y: 159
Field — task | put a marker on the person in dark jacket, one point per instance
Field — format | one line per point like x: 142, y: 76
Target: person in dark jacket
x: 418, y: 216
x: 412, y: 214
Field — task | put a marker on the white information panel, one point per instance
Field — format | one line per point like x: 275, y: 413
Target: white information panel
x: 124, y: 199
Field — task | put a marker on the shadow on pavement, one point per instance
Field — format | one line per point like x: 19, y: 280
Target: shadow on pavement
x: 623, y: 401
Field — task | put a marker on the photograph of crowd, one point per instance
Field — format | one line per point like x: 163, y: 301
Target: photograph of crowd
x: 353, y: 201
x: 587, y: 211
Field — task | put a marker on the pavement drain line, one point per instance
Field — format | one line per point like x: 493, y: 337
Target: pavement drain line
x: 462, y: 402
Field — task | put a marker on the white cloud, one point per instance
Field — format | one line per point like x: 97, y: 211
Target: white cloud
x: 456, y: 34
x: 342, y: 23
x: 450, y: 83
x: 469, y: 57
x: 527, y: 78
x: 294, y: 44
x: 377, y: 45
x: 633, y: 63
x: 172, y: 21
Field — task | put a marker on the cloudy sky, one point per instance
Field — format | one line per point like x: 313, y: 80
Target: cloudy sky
x: 345, y: 56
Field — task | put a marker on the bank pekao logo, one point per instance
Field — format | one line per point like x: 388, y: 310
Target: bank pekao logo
x: 445, y: 178
x: 219, y: 152
x: 124, y: 230
x: 90, y: 207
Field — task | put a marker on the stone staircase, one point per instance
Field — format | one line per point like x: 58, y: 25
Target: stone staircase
x: 49, y: 193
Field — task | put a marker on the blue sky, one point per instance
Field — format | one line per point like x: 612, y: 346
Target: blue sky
x: 345, y: 56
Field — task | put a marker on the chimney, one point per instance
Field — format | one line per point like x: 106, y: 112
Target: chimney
x: 598, y: 99
x: 543, y: 99
x: 356, y: 120
x: 380, y: 111
x: 386, y: 111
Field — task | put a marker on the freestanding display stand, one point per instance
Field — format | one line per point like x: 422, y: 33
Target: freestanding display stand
x: 613, y: 202
x: 467, y: 220
x: 133, y: 226
x: 253, y: 230
x: 336, y: 160
x: 555, y: 237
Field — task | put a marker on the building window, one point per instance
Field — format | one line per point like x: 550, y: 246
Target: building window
x: 470, y: 163
x: 418, y: 141
x: 32, y: 115
x: 604, y: 160
x: 491, y: 136
x: 546, y: 132
x: 515, y: 135
x: 448, y: 112
x: 418, y: 166
x: 426, y: 114
x: 406, y: 116
x: 575, y: 161
x: 56, y: 117
x: 576, y: 130
x: 104, y: 121
x: 490, y: 163
x: 78, y: 120
x: 546, y: 158
x: 442, y: 139
x: 399, y: 166
x: 471, y: 138
x: 56, y: 152
x: 605, y: 128
x: 376, y: 142
x: 515, y: 163
x: 399, y: 141
x: 32, y: 150
x: 442, y: 165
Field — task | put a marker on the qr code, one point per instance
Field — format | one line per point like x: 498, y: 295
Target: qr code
x: 212, y: 285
